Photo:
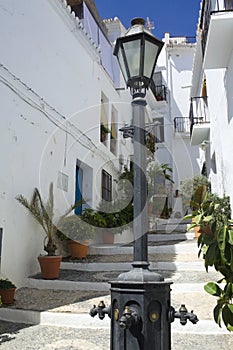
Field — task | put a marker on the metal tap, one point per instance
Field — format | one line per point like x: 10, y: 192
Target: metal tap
x: 183, y: 315
x: 101, y: 310
x: 129, y: 318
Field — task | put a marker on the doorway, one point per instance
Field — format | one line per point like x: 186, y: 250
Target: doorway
x: 78, y: 189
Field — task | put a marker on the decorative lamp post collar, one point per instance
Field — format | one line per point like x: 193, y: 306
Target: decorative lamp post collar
x: 137, y: 53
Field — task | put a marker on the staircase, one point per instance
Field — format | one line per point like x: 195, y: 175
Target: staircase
x: 67, y: 301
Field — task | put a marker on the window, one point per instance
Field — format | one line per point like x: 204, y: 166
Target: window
x: 104, y: 119
x: 159, y: 129
x: 113, y: 140
x: 106, y: 186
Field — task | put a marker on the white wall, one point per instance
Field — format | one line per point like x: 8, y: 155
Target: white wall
x: 50, y: 87
x: 179, y: 61
x: 220, y: 102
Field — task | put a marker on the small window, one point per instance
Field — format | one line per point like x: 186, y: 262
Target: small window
x: 113, y: 140
x: 159, y: 129
x: 104, y: 119
x: 106, y: 186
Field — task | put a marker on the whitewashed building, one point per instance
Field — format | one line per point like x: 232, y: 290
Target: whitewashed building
x: 212, y: 108
x: 174, y: 76
x: 58, y: 86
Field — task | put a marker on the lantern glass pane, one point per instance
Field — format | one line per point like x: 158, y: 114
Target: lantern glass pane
x: 133, y: 52
x: 151, y: 51
x: 122, y: 64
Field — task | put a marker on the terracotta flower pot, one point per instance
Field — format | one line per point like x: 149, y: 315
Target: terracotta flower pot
x: 78, y: 249
x: 7, y: 296
x: 50, y: 266
x: 196, y: 229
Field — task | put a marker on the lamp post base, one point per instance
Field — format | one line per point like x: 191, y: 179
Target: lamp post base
x: 139, y: 311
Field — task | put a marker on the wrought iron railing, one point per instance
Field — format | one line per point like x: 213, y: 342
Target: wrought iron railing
x: 159, y: 91
x: 174, y: 39
x: 210, y: 7
x: 182, y: 125
x: 198, y: 113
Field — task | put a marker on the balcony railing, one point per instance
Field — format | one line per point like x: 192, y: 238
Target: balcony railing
x: 180, y: 40
x: 182, y: 125
x: 198, y: 113
x: 159, y: 91
x: 210, y: 7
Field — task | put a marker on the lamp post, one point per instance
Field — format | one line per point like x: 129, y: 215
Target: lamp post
x: 137, y: 54
x: 140, y: 309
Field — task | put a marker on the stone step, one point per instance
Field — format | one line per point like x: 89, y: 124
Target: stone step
x: 165, y: 247
x: 59, y: 308
x: 98, y: 280
x: 168, y: 226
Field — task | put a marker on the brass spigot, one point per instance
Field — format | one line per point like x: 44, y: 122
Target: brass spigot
x: 101, y: 310
x: 183, y: 315
x: 129, y: 318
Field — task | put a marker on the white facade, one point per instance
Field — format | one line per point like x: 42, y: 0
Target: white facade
x: 214, y: 60
x: 52, y: 87
x: 175, y: 64
x: 58, y: 82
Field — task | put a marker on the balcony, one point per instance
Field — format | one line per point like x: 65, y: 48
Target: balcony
x: 216, y: 23
x: 159, y: 91
x: 199, y: 120
x: 182, y: 125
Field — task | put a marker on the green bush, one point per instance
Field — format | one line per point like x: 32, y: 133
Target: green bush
x: 6, y: 284
x: 212, y: 214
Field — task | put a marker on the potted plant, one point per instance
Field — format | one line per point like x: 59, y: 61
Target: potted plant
x: 103, y: 132
x: 78, y: 232
x: 110, y: 218
x: 212, y: 214
x: 189, y: 187
x: 7, y: 291
x: 117, y: 215
x: 43, y: 213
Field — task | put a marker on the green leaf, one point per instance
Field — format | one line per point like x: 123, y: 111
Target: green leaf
x: 213, y: 289
x: 230, y: 236
x: 197, y: 219
x: 228, y: 291
x: 211, y: 253
x: 221, y: 238
x: 187, y: 217
x: 208, y: 218
x: 227, y: 315
x: 217, y: 314
x: 231, y: 266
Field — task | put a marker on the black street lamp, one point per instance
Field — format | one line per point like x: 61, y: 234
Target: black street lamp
x: 137, y: 53
x: 140, y: 311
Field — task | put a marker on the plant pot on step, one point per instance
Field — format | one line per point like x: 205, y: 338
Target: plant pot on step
x: 7, y: 296
x: 7, y: 291
x: 78, y: 249
x: 50, y: 266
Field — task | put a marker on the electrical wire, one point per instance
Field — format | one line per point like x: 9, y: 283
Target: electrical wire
x: 65, y: 125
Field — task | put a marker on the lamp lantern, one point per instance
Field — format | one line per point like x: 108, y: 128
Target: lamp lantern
x: 137, y: 53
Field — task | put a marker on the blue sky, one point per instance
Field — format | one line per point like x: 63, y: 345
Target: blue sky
x: 178, y: 17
